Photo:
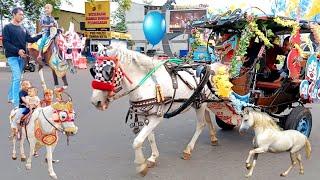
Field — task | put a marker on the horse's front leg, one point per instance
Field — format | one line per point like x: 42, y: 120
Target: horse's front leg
x: 23, y: 136
x: 200, y: 125
x: 32, y: 143
x: 142, y: 167
x: 43, y: 83
x: 49, y: 160
x: 155, y: 153
x: 254, y: 152
x: 212, y: 130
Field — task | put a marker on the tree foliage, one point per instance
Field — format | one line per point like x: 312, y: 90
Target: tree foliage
x: 32, y: 8
x: 5, y: 9
x: 120, y: 15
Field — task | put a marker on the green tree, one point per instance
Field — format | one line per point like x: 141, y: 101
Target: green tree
x: 33, y: 9
x: 120, y: 15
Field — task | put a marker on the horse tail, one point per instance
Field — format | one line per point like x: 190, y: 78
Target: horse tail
x: 308, y: 149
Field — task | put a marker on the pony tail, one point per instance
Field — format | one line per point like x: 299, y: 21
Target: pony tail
x: 308, y: 148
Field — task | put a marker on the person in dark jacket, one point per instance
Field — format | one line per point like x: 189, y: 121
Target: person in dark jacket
x: 15, y: 38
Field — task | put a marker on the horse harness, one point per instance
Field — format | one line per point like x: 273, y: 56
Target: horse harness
x: 108, y: 75
x: 51, y: 137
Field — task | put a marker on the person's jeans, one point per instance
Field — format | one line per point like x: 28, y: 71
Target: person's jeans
x: 16, y: 65
x: 43, y: 41
x: 17, y: 117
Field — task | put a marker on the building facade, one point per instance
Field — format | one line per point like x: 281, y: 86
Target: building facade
x: 135, y: 17
x: 65, y: 17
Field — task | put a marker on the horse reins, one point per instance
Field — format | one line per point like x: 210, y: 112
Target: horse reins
x: 60, y: 130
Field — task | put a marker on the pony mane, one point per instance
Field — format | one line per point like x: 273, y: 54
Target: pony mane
x: 127, y: 56
x: 263, y: 120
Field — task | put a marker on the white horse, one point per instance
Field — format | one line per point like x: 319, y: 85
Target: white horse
x: 269, y: 138
x: 135, y: 66
x: 42, y: 130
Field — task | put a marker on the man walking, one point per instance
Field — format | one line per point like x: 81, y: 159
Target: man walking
x: 15, y: 39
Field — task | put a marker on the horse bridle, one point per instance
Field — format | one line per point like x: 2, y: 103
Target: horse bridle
x: 108, y: 75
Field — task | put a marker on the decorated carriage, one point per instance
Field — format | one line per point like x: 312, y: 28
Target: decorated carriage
x: 278, y: 79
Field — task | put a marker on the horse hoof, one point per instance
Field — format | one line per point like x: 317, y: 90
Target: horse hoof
x: 214, y: 142
x: 186, y: 156
x: 54, y: 176
x: 301, y: 172
x: 248, y: 166
x: 23, y: 159
x: 248, y: 175
x: 151, y: 164
x: 144, y: 171
x: 283, y: 175
x: 14, y: 158
x: 28, y: 166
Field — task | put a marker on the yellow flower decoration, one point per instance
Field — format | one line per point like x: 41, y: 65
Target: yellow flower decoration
x: 254, y: 27
x: 221, y: 82
x: 288, y: 23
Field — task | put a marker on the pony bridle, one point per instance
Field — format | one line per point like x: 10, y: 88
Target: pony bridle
x: 108, y: 75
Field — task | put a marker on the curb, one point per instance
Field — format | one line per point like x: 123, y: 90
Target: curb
x: 4, y: 67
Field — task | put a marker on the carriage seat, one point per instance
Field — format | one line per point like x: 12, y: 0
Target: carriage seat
x: 268, y: 85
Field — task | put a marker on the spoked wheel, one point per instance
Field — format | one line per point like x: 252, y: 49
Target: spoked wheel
x: 224, y: 125
x: 300, y: 119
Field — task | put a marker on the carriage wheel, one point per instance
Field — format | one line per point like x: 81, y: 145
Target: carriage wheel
x: 300, y: 119
x: 224, y: 125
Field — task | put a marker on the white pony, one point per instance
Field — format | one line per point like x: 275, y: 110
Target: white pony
x: 42, y: 130
x: 269, y: 138
x: 135, y: 66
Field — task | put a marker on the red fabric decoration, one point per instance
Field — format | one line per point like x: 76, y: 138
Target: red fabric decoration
x: 104, y: 86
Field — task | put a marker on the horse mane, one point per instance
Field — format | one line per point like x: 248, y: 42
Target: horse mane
x: 263, y: 120
x: 127, y: 56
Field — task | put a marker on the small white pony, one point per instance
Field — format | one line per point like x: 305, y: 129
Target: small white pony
x: 269, y: 138
x: 42, y: 130
x: 135, y: 66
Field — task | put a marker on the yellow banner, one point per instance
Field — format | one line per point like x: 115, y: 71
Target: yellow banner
x: 98, y: 34
x: 106, y: 35
x: 97, y: 14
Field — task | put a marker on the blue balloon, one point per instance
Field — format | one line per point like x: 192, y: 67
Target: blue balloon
x: 154, y: 27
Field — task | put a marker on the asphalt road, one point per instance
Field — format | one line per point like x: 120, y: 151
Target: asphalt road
x: 102, y: 149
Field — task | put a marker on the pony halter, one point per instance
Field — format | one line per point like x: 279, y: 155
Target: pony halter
x: 107, y: 74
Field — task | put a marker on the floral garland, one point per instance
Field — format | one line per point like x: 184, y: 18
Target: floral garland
x: 244, y: 42
x: 288, y: 23
x: 221, y: 82
x: 254, y: 27
x: 250, y: 30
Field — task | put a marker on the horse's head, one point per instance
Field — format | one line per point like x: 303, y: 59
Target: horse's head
x: 107, y: 75
x: 257, y: 120
x: 108, y: 78
x: 64, y: 115
x: 247, y: 121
